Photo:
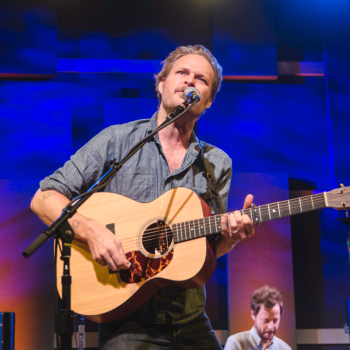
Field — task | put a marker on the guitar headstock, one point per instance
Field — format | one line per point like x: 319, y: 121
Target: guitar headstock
x: 339, y: 198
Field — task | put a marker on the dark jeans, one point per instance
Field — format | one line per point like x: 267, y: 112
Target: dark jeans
x: 134, y: 334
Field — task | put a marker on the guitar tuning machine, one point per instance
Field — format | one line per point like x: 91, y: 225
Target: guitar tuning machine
x: 344, y: 204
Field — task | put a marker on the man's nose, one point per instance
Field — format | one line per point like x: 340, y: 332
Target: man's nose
x: 270, y: 325
x: 190, y: 80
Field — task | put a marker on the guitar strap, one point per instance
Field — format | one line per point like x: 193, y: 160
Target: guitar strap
x: 206, y: 174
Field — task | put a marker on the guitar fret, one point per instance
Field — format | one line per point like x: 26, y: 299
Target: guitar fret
x: 279, y: 210
x: 301, y: 209
x: 290, y: 212
x: 213, y: 224
x: 174, y: 229
x: 260, y: 213
x: 196, y: 228
x: 307, y: 203
x: 312, y: 202
x: 218, y: 222
x: 274, y: 211
x: 320, y: 201
x: 284, y: 208
x: 208, y: 226
x: 183, y: 232
x: 264, y: 213
x: 268, y: 207
x: 214, y: 219
x: 202, y: 229
x: 295, y: 206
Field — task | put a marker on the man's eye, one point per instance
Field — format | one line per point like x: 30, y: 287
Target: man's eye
x: 181, y: 71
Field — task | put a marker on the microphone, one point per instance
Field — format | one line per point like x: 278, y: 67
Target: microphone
x: 191, y: 94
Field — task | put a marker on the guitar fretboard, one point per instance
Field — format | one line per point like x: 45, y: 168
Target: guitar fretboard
x: 185, y: 231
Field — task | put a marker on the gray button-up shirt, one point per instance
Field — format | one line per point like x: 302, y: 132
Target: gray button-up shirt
x: 144, y: 177
x: 250, y: 340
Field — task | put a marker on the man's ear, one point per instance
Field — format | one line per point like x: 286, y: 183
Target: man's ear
x: 252, y: 314
x: 161, y: 86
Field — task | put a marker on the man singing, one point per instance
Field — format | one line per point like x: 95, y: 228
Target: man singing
x: 174, y: 317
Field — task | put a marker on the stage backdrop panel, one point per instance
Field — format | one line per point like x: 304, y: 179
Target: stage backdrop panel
x: 266, y: 258
x: 28, y: 40
x: 244, y: 37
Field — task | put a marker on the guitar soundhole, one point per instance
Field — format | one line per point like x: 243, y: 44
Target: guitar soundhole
x: 157, y: 238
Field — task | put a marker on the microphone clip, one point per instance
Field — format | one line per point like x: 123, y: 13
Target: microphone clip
x: 178, y: 109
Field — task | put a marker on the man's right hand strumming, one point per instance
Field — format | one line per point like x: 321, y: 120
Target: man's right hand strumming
x: 106, y: 249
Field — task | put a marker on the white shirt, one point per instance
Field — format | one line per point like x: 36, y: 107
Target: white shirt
x: 250, y: 340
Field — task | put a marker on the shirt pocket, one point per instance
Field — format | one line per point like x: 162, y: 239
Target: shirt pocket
x: 138, y: 183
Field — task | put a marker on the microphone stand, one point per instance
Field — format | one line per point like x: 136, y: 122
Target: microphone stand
x: 63, y: 231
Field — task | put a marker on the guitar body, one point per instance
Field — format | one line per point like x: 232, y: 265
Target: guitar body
x: 102, y: 296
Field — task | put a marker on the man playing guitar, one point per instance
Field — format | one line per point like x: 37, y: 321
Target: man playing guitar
x: 174, y: 317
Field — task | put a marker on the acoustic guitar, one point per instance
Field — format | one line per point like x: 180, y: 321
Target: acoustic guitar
x: 167, y: 241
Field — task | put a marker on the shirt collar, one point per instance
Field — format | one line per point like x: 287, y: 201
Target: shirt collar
x: 193, y: 146
x: 257, y: 338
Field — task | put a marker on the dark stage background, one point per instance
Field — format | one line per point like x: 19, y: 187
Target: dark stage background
x: 70, y: 68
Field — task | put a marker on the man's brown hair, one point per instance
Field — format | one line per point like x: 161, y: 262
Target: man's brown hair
x: 181, y: 51
x: 265, y: 296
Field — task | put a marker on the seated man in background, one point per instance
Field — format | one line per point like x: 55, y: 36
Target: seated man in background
x: 266, y: 311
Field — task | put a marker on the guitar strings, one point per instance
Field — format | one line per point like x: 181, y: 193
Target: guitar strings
x: 284, y: 205
x: 206, y: 223
x: 245, y: 211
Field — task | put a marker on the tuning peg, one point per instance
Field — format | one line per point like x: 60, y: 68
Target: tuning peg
x: 341, y: 188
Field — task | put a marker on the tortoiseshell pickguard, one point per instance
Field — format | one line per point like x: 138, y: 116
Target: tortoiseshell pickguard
x: 143, y: 268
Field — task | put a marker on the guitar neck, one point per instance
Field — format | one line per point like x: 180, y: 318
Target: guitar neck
x: 188, y: 230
